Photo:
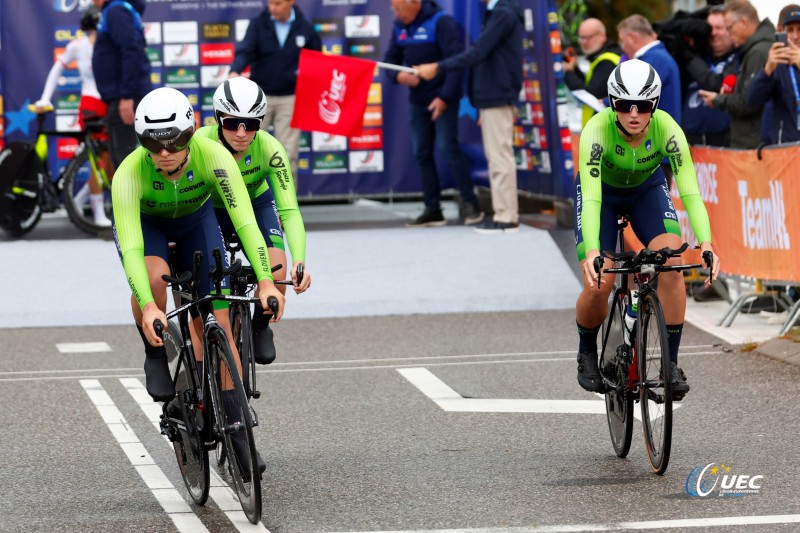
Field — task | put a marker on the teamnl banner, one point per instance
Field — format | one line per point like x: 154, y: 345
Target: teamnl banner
x: 191, y: 44
x: 748, y: 202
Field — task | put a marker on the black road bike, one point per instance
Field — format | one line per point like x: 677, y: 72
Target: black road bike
x: 198, y: 419
x: 633, y: 364
x: 27, y: 188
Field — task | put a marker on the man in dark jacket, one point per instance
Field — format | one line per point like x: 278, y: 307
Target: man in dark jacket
x: 753, y: 38
x: 495, y: 80
x: 602, y: 55
x: 121, y: 70
x: 271, y: 48
x: 778, y: 83
x: 423, y: 33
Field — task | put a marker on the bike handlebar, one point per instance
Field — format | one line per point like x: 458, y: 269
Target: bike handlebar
x: 159, y: 327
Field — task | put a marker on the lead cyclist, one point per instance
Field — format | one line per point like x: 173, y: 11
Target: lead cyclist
x: 620, y: 174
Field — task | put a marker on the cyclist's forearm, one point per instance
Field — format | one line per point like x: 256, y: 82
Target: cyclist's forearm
x: 136, y: 274
x: 698, y: 216
x: 255, y: 248
x: 295, y: 232
x: 590, y: 225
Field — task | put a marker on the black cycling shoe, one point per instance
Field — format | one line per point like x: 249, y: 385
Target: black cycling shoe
x: 158, y: 381
x: 679, y: 384
x: 263, y: 345
x: 243, y: 456
x: 588, y: 375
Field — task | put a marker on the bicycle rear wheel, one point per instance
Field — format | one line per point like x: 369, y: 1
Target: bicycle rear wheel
x: 655, y: 391
x: 614, y: 361
x: 232, y: 418
x: 76, y: 192
x: 22, y: 175
x: 189, y: 450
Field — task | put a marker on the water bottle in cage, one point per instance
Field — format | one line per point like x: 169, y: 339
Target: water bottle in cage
x: 631, y: 310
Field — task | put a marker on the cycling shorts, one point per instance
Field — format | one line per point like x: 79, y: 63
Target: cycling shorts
x: 648, y: 207
x: 196, y: 231
x: 91, y: 109
x: 269, y: 222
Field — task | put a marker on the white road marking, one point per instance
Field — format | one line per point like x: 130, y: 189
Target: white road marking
x: 449, y: 400
x: 722, y: 521
x: 165, y: 493
x: 220, y: 491
x: 83, y: 347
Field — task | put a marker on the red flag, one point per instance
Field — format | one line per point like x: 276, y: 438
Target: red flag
x: 331, y: 93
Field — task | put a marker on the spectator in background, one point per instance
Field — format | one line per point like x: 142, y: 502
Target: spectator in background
x: 271, y: 48
x: 495, y: 80
x: 775, y: 86
x: 639, y: 41
x: 602, y: 55
x: 716, y: 71
x: 423, y: 33
x: 121, y: 70
x: 91, y: 107
x: 753, y: 39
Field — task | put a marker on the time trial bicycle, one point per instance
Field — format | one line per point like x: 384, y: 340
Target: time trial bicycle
x: 198, y: 418
x: 634, y: 363
x: 27, y: 186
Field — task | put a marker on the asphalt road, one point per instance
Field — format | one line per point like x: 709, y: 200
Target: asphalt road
x: 353, y: 444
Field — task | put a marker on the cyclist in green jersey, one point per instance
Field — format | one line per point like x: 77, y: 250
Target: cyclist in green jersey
x: 160, y: 194
x: 620, y: 153
x: 239, y: 107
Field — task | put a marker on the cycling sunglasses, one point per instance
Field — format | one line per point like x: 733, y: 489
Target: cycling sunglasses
x: 170, y: 139
x: 625, y: 106
x: 233, y: 123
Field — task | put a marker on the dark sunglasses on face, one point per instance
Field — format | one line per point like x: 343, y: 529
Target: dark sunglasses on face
x: 625, y: 106
x: 170, y: 139
x: 233, y: 123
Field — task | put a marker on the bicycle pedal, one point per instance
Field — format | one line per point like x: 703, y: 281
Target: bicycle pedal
x: 256, y: 394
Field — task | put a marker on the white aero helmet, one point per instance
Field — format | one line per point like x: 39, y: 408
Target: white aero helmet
x: 240, y: 97
x: 634, y: 82
x: 164, y: 119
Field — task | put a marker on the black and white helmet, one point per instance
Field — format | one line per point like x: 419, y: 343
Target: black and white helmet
x: 240, y: 97
x: 164, y: 119
x: 634, y: 80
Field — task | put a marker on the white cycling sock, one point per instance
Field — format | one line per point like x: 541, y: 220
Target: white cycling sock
x: 98, y: 209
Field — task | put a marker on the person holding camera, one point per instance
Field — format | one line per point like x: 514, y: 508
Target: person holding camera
x: 777, y: 83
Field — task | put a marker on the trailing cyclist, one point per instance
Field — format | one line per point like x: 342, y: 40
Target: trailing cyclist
x: 239, y: 107
x: 160, y: 195
x: 620, y: 153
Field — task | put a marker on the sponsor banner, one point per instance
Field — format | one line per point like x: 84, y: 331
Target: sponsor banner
x: 366, y: 161
x: 327, y: 142
x: 330, y: 164
x: 155, y: 55
x: 375, y: 95
x: 364, y: 48
x: 67, y: 123
x: 181, y: 77
x: 368, y: 140
x: 750, y: 205
x: 211, y: 76
x: 156, y: 76
x: 216, y: 53
x: 180, y: 32
x: 152, y: 33
x: 333, y: 46
x: 218, y: 31
x: 329, y: 27
x: 303, y: 163
x: 305, y: 141
x: 69, y: 81
x: 362, y: 26
x: 241, y: 28
x: 65, y: 147
x: 62, y: 35
x: 181, y: 55
x: 67, y: 103
x: 373, y: 116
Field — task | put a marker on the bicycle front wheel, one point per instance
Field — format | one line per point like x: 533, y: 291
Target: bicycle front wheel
x: 22, y: 176
x: 614, y: 361
x: 234, y: 421
x: 190, y: 453
x: 75, y: 191
x: 655, y: 389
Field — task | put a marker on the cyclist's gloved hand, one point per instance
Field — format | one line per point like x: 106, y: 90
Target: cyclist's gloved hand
x: 150, y: 313
x: 266, y: 289
x: 305, y: 282
x: 714, y: 265
x: 42, y: 105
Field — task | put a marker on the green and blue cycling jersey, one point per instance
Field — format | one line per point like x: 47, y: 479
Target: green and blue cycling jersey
x: 138, y: 189
x: 265, y: 167
x: 608, y: 163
